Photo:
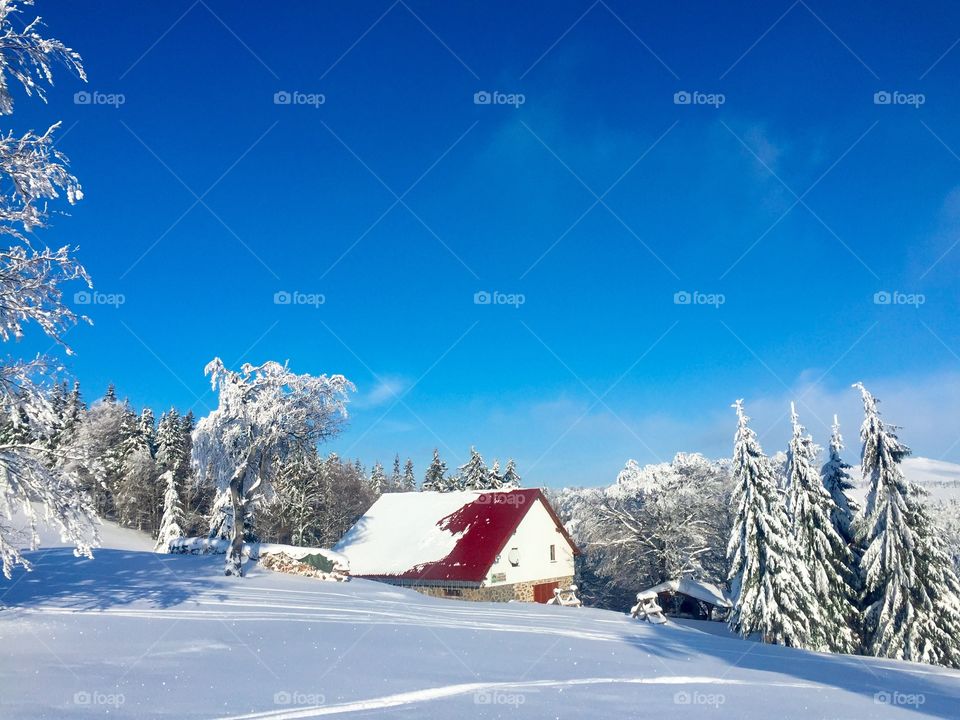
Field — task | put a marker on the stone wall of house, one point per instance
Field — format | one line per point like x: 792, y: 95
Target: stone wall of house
x: 496, y: 593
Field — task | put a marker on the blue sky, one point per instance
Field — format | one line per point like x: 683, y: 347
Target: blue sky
x: 598, y: 199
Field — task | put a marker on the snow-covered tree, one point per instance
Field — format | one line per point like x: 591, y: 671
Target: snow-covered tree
x: 822, y: 550
x: 494, y: 477
x: 409, y: 481
x: 473, y: 474
x: 396, y: 477
x: 171, y: 524
x: 378, y: 479
x: 910, y: 592
x: 511, y: 479
x: 770, y: 585
x: 264, y: 414
x: 33, y: 173
x: 837, y: 482
x: 435, y: 478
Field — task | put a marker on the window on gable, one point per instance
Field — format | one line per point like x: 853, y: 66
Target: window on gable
x: 553, y: 553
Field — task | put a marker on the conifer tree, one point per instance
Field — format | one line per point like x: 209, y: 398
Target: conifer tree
x: 378, y: 479
x: 770, y: 585
x: 171, y: 524
x: 837, y: 482
x: 494, y: 478
x: 473, y: 474
x: 435, y: 478
x: 511, y: 480
x: 910, y: 592
x: 822, y: 550
x: 409, y: 482
x: 396, y: 478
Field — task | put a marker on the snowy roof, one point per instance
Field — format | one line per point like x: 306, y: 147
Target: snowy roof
x: 437, y: 536
x: 704, y: 591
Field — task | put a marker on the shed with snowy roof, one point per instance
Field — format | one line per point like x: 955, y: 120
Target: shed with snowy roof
x: 494, y: 545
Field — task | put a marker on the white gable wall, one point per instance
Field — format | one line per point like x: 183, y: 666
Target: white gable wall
x: 533, y: 538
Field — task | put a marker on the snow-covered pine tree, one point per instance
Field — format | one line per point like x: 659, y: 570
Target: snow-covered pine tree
x: 435, y: 479
x: 511, y: 479
x: 495, y: 479
x: 473, y: 474
x: 837, y: 482
x: 396, y: 477
x: 409, y: 482
x: 910, y: 592
x: 771, y: 587
x: 378, y: 479
x: 828, y: 560
x: 171, y: 524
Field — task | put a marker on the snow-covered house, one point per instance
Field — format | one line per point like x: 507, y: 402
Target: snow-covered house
x: 495, y: 545
x: 691, y: 598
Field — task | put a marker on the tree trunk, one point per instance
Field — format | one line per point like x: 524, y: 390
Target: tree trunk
x: 234, y: 561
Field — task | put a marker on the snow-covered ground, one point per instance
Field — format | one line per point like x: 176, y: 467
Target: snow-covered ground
x: 134, y: 634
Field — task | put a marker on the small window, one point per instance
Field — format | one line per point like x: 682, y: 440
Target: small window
x: 514, y: 556
x: 553, y: 553
x: 453, y: 592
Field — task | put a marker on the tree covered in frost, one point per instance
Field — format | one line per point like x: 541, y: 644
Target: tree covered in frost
x: 654, y: 523
x: 34, y: 173
x: 378, y: 479
x: 396, y: 477
x: 511, y: 480
x: 171, y: 524
x: 473, y: 474
x: 409, y: 481
x: 770, y: 586
x: 822, y: 550
x: 435, y: 478
x: 910, y: 591
x: 494, y: 477
x: 837, y: 482
x: 264, y: 414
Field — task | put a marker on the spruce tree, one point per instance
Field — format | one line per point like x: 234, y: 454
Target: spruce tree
x: 435, y: 479
x: 911, y: 595
x: 396, y: 478
x: 837, y: 482
x: 494, y: 478
x: 770, y: 585
x: 473, y: 474
x: 171, y: 524
x: 409, y: 482
x: 511, y: 480
x: 378, y: 480
x: 821, y: 548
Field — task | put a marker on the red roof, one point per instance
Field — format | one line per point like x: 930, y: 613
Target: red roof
x: 487, y: 524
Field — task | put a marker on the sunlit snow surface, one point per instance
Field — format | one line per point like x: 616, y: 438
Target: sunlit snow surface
x: 138, y: 635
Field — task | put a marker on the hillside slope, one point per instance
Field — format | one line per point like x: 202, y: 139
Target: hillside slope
x: 134, y: 634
